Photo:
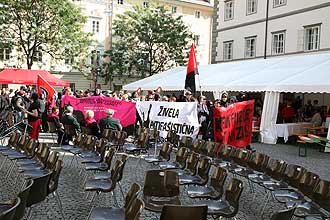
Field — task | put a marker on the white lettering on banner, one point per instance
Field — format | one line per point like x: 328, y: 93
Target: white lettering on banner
x: 180, y: 117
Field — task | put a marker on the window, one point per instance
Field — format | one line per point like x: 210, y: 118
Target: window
x: 278, y: 3
x: 174, y: 9
x: 278, y: 43
x: 312, y: 38
x: 250, y: 47
x: 38, y: 55
x: 229, y: 10
x: 228, y: 50
x: 145, y: 4
x: 251, y: 7
x: 197, y: 39
x: 120, y: 2
x: 5, y: 51
x: 95, y: 26
x: 197, y: 14
x: 95, y: 57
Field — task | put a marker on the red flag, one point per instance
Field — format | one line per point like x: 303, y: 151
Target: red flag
x: 192, y: 70
x: 43, y: 84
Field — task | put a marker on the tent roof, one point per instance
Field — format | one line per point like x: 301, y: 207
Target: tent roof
x: 303, y: 73
x: 27, y: 77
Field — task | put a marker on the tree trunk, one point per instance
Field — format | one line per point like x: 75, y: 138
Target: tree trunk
x: 29, y: 63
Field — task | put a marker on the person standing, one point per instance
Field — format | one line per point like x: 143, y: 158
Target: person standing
x: 33, y: 116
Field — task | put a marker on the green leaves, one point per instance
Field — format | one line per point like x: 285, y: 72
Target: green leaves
x: 55, y: 26
x: 147, y: 41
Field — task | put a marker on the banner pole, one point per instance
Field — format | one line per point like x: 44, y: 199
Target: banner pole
x: 200, y: 85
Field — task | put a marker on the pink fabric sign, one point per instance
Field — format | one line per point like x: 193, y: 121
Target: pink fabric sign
x: 125, y: 112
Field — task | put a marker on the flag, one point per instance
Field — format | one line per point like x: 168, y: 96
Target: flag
x: 43, y: 84
x: 192, y: 70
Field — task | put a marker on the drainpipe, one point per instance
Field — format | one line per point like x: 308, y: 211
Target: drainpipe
x: 266, y: 30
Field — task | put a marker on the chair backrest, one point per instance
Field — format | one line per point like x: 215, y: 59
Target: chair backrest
x: 106, y: 133
x: 218, y: 179
x: 109, y: 156
x: 276, y: 168
x: 9, y: 213
x: 283, y: 214
x: 233, y: 193
x: 242, y: 157
x: 90, y: 143
x: 53, y: 183
x: 179, y: 212
x: 13, y: 139
x: 101, y: 147
x: 132, y: 194
x: 192, y: 162
x: 113, y: 135
x: 70, y: 130
x: 186, y: 141
x: 308, y: 182
x: 181, y: 157
x: 161, y: 183
x: 165, y: 151
x: 39, y: 190
x: 134, y: 212
x: 52, y: 159
x: 258, y: 161
x: 30, y: 147
x: 293, y: 173
x: 80, y: 139
x: 142, y: 141
x: 226, y: 152
x: 51, y: 127
x: 211, y: 148
x: 115, y: 173
x: 199, y: 145
x: 23, y: 140
x: 44, y: 154
x: 122, y: 137
x: 23, y: 195
x: 321, y: 194
x: 123, y: 159
x: 203, y: 169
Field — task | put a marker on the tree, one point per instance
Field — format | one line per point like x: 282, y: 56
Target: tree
x: 43, y: 26
x: 147, y: 41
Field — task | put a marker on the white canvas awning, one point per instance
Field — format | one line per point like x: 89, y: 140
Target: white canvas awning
x: 303, y: 73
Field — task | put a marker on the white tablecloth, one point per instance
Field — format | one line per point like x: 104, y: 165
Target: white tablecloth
x: 288, y: 129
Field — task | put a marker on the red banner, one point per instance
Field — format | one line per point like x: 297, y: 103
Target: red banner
x: 233, y: 125
x: 43, y: 84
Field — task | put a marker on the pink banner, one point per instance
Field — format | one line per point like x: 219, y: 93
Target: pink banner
x: 125, y: 112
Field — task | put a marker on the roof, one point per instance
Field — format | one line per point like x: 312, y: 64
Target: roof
x: 29, y: 77
x: 303, y: 73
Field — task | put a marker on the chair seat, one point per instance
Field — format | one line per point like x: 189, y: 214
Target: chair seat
x: 103, y: 175
x: 4, y: 207
x: 75, y: 150
x: 29, y: 167
x: 244, y: 172
x: 284, y: 196
x: 96, y: 166
x: 133, y: 148
x: 156, y: 204
x: 17, y: 156
x: 67, y: 147
x: 217, y: 207
x: 103, y: 185
x: 183, y: 172
x: 9, y: 151
x: 153, y: 159
x: 88, y: 154
x: 258, y: 178
x: 188, y: 179
x: 3, y: 148
x: 304, y: 208
x: 24, y: 162
x: 107, y: 213
x: 169, y: 165
x: 275, y: 185
x: 314, y: 217
x: 203, y: 192
x: 96, y: 159
x: 32, y: 174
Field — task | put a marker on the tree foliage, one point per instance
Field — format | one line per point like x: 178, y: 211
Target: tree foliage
x: 47, y: 26
x: 147, y: 41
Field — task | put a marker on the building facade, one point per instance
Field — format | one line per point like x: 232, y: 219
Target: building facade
x: 245, y: 29
x: 196, y: 14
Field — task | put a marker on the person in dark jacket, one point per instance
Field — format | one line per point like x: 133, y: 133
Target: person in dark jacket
x: 91, y: 124
x: 53, y: 117
x: 68, y: 119
x: 224, y: 100
x: 109, y: 122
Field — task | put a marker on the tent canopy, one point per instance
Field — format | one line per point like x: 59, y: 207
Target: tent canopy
x: 29, y: 77
x: 303, y: 73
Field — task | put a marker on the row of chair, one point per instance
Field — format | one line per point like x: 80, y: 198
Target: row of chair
x: 41, y: 171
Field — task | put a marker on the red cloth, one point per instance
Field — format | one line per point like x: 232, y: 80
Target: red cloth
x: 35, y: 129
x: 288, y: 112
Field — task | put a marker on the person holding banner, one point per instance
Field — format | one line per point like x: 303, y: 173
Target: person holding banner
x: 33, y: 116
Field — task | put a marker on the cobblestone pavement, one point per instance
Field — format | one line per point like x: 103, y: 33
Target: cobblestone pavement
x: 77, y: 207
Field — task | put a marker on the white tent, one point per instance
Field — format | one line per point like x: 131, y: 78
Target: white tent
x: 299, y: 74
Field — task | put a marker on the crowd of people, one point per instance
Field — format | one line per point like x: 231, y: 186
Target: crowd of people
x: 39, y: 112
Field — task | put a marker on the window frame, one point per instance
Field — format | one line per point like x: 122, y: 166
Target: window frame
x: 226, y: 18
x: 224, y: 43
x: 198, y: 14
x: 120, y: 2
x: 274, y: 48
x: 309, y: 27
x: 247, y: 7
x: 246, y: 39
x: 279, y: 5
x: 197, y: 39
x: 6, y: 51
x: 174, y: 11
